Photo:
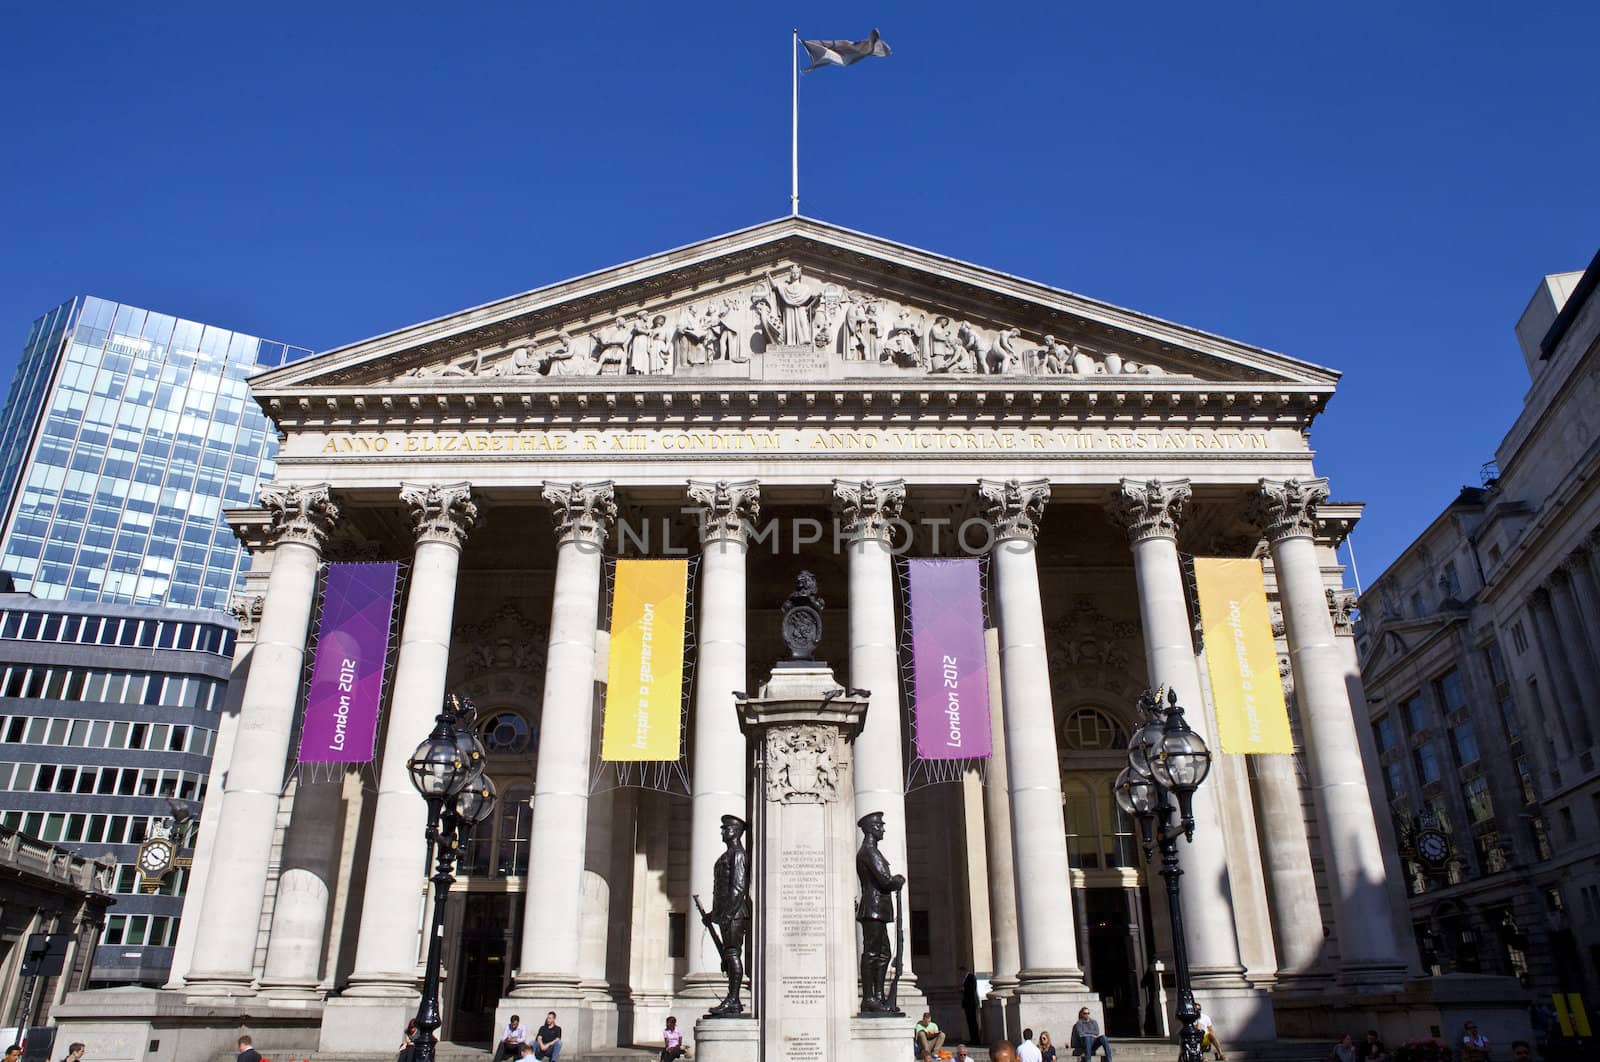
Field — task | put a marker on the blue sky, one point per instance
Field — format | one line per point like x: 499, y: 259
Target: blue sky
x: 1374, y: 187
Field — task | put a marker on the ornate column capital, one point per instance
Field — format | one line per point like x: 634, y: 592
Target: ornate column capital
x: 441, y: 512
x: 246, y: 608
x: 726, y: 508
x: 869, y: 507
x: 583, y: 512
x: 1014, y: 506
x: 1539, y: 596
x: 1342, y: 607
x: 303, y: 514
x: 1150, y: 509
x: 1287, y: 508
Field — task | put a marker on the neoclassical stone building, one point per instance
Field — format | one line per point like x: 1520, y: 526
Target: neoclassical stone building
x: 790, y: 397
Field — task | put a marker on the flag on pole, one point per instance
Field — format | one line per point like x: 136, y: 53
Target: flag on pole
x: 843, y: 53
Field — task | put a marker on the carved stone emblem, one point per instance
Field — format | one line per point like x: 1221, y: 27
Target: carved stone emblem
x: 246, y: 608
x: 802, y: 765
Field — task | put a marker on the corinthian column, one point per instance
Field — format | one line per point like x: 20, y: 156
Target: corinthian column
x: 1367, y: 953
x: 726, y: 511
x: 1561, y: 686
x: 550, y: 971
x: 1150, y: 513
x: 230, y: 916
x: 1050, y: 983
x: 1574, y: 646
x: 387, y: 949
x: 868, y: 512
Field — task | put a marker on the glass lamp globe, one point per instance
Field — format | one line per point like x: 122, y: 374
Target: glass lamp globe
x: 1136, y: 793
x: 1182, y: 761
x: 436, y: 768
x: 476, y: 802
x: 1145, y: 741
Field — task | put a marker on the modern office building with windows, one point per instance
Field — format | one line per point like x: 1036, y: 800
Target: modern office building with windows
x: 126, y: 434
x: 108, y: 719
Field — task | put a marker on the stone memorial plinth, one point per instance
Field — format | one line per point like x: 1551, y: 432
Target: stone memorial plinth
x: 802, y: 729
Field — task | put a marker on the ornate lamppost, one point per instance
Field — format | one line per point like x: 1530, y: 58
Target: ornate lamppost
x: 447, y: 770
x: 1166, y: 758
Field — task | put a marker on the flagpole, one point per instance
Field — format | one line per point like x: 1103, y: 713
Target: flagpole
x: 794, y: 126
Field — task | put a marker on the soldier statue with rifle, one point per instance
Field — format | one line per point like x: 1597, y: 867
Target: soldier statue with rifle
x: 880, y: 898
x: 729, y: 917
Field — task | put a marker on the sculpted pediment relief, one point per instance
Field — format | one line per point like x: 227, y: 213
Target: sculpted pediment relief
x: 797, y: 301
x: 793, y: 325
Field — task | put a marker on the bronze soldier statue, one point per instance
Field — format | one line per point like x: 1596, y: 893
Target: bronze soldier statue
x: 875, y: 910
x: 730, y: 912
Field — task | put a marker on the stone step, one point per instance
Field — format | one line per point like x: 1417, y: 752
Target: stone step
x: 1138, y: 1050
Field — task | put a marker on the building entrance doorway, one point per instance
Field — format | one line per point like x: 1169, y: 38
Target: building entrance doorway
x: 1113, y: 933
x: 485, y: 958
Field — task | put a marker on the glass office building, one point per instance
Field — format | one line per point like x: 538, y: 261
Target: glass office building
x: 108, y: 718
x: 126, y: 434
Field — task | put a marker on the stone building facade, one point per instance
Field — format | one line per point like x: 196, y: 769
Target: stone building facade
x: 1479, y: 647
x: 790, y: 397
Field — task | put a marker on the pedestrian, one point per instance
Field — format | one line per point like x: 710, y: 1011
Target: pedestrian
x: 1086, y: 1036
x: 969, y: 1005
x: 961, y: 1054
x: 1521, y: 1051
x: 1474, y: 1045
x: 1027, y: 1050
x: 547, y: 1042
x: 1208, y: 1037
x: 74, y: 1053
x: 926, y: 1037
x: 247, y: 1051
x: 672, y: 1047
x: 1344, y: 1050
x: 1372, y: 1049
x: 408, y: 1043
x: 13, y: 1053
x: 1047, y: 1050
x: 511, y: 1039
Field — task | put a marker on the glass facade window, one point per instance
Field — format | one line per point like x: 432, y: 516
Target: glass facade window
x: 125, y: 436
x: 1383, y: 731
x: 1427, y: 763
x: 1480, y: 806
x: 1416, y: 713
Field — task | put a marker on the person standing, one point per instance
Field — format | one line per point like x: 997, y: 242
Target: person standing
x: 969, y: 1005
x: 1474, y: 1045
x: 672, y: 1047
x: 512, y: 1039
x: 1086, y: 1036
x: 547, y: 1042
x: 875, y: 911
x: 247, y: 1051
x: 1027, y: 1050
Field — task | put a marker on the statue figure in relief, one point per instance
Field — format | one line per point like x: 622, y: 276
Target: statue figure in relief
x: 796, y: 296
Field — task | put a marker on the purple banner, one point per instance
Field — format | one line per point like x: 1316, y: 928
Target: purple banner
x: 950, y: 669
x: 341, y: 723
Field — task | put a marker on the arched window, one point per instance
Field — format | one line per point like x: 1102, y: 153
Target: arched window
x: 507, y: 732
x: 1099, y: 832
x: 514, y: 833
x: 1090, y: 729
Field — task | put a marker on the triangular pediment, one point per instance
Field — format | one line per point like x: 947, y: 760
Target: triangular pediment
x: 794, y: 301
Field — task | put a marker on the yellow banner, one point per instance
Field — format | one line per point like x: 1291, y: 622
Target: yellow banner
x: 644, y: 677
x: 1241, y: 656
